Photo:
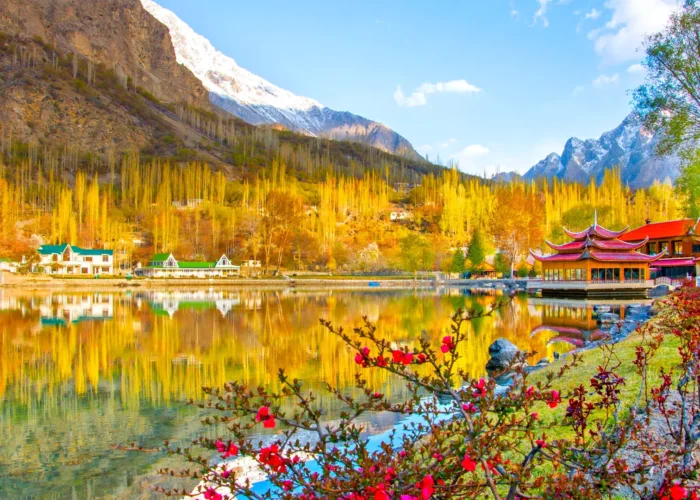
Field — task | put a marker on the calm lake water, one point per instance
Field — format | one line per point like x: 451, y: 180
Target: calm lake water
x: 82, y: 371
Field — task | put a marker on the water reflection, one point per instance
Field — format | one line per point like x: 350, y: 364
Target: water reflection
x: 80, y: 371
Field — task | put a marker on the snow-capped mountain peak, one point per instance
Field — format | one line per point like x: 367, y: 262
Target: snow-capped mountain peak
x: 219, y: 72
x: 257, y: 101
x: 628, y: 146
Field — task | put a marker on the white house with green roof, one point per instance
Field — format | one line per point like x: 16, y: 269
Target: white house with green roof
x: 165, y: 265
x: 71, y: 259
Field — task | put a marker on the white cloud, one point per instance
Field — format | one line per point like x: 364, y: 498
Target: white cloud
x: 541, y: 13
x: 472, y: 151
x: 630, y: 22
x: 514, y: 14
x: 448, y: 143
x: 606, y: 80
x: 593, y: 14
x: 636, y: 68
x: 578, y: 90
x: 418, y: 96
x: 425, y: 148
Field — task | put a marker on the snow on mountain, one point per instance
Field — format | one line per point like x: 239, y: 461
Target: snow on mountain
x: 259, y: 102
x: 629, y: 146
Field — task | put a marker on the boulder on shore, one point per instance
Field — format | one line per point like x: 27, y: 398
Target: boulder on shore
x: 502, y: 353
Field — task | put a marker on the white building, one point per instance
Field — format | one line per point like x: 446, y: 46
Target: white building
x: 8, y: 265
x: 63, y: 309
x: 69, y: 259
x: 164, y: 265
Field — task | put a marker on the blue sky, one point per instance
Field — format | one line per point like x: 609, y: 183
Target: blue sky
x: 488, y: 83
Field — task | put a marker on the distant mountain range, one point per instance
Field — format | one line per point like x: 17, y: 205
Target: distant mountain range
x: 629, y: 146
x: 260, y: 102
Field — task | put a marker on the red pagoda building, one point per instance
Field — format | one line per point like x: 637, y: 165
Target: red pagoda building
x: 596, y: 264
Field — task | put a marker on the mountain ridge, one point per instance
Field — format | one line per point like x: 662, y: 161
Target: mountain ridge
x: 628, y: 146
x: 259, y: 102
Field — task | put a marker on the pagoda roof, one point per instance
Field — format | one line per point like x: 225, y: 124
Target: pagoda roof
x: 599, y: 256
x: 668, y: 229
x: 596, y: 243
x: 678, y: 262
x: 595, y: 230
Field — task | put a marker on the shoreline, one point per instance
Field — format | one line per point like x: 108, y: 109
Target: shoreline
x: 14, y: 281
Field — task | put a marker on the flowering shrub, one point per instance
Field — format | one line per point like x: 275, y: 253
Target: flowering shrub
x: 467, y: 438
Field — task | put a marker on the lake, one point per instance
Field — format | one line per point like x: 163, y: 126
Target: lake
x: 80, y: 371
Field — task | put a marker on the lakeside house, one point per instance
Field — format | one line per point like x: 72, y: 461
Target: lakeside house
x: 165, y: 265
x: 68, y: 259
x: 596, y: 263
x: 8, y: 265
x: 677, y: 241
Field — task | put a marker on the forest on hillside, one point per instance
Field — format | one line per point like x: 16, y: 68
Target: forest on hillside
x: 337, y: 222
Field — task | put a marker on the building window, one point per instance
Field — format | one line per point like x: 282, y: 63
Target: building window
x: 605, y: 274
x: 663, y: 247
x: 696, y: 248
x: 634, y: 274
x: 105, y: 258
x: 678, y: 248
x: 88, y: 259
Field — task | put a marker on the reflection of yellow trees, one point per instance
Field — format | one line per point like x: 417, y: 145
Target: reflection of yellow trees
x: 160, y: 359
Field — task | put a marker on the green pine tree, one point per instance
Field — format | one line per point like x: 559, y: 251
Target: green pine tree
x: 477, y: 252
x: 458, y: 262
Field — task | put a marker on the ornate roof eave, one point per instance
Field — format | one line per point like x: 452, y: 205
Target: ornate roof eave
x: 650, y: 259
x: 631, y: 246
x: 559, y: 248
x: 595, y: 229
x: 576, y: 236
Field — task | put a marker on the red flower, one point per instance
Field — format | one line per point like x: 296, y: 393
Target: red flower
x: 535, y: 416
x: 678, y: 492
x: 480, y: 388
x: 225, y: 473
x: 426, y: 487
x: 448, y: 344
x: 541, y: 443
x: 470, y: 407
x: 403, y: 358
x: 228, y: 450
x: 362, y: 356
x: 468, y: 464
x: 530, y: 391
x: 211, y: 494
x: 270, y: 456
x: 554, y: 399
x: 265, y: 417
x: 421, y: 358
x: 381, y: 361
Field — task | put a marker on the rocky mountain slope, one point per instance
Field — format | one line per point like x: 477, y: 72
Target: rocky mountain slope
x: 629, y: 146
x: 90, y: 80
x: 258, y: 101
x: 117, y: 33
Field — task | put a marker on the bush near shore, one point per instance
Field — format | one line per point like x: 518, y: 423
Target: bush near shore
x: 622, y: 421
